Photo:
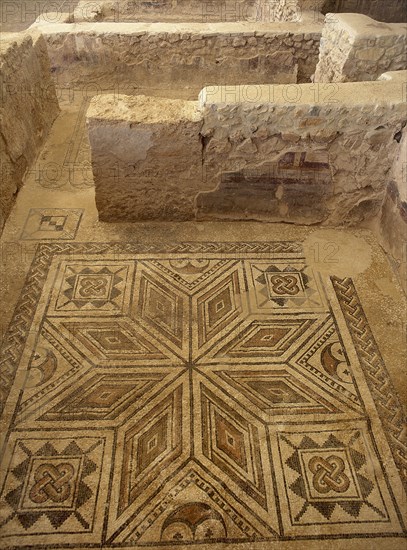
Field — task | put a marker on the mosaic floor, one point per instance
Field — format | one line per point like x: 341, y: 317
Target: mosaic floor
x: 193, y: 393
x: 221, y: 395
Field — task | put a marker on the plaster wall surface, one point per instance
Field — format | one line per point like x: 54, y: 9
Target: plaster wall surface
x: 28, y: 108
x: 146, y: 155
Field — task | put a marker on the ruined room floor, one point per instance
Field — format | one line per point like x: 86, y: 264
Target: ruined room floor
x: 236, y: 385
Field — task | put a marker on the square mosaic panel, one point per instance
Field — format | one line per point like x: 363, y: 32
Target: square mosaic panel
x: 52, y: 224
x: 195, y: 393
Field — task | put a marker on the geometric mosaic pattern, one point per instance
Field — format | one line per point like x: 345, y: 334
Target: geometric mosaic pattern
x: 329, y: 478
x: 53, y: 485
x: 199, y: 393
x: 52, y: 224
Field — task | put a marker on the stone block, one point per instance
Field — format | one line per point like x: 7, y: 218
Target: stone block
x: 146, y: 157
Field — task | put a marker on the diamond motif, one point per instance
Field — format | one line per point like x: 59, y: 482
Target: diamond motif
x: 265, y: 339
x: 108, y: 342
x: 218, y: 308
x: 104, y: 396
x: 277, y: 392
x: 52, y: 224
x: 224, y: 400
x: 232, y: 444
x: 149, y: 445
x: 162, y: 310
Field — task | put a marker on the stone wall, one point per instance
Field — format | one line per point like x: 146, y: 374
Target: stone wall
x: 321, y: 154
x: 195, y: 10
x: 292, y: 10
x: 28, y: 108
x: 391, y: 226
x: 275, y: 153
x: 166, y: 10
x: 179, y: 56
x: 382, y: 10
x: 355, y: 48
